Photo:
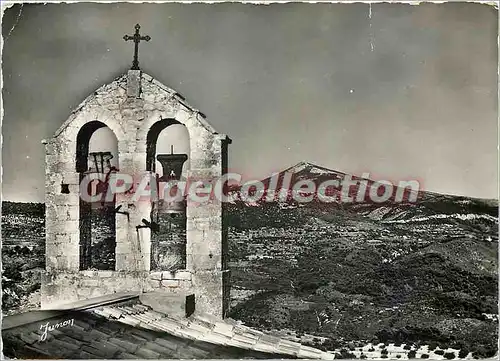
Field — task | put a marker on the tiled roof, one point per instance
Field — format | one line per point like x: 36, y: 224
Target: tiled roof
x: 93, y: 337
x: 206, y: 328
x: 130, y: 330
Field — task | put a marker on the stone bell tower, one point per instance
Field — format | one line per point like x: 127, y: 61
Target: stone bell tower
x: 120, y: 244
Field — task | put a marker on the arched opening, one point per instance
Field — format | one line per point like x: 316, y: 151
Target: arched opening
x: 152, y: 139
x: 168, y: 156
x: 97, y: 156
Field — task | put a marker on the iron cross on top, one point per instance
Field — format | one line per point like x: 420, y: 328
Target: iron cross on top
x: 137, y: 39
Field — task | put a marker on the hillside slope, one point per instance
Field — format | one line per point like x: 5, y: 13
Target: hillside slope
x: 421, y: 272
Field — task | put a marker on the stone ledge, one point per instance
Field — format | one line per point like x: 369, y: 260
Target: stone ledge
x: 170, y: 283
x: 168, y: 275
x: 97, y: 274
x: 97, y: 301
x: 81, y: 274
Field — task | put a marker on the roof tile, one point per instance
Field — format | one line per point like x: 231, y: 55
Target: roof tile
x: 167, y: 325
x: 309, y: 352
x: 288, y: 343
x: 217, y: 339
x: 130, y: 347
x: 147, y: 353
x: 102, y: 311
x: 163, y: 351
x: 64, y: 344
x: 54, y: 348
x: 81, y: 336
x: 99, y: 351
x: 130, y: 310
x: 126, y: 356
x: 199, y: 327
x: 98, y: 334
x: 289, y: 349
x: 242, y: 344
x: 110, y: 328
x: 130, y: 320
x: 146, y: 317
x: 165, y: 342
x: 156, y: 314
x: 55, y: 333
x: 201, y: 322
x: 29, y: 338
x: 264, y: 347
x: 254, y: 332
x: 147, y: 336
x: 244, y: 338
x: 71, y: 340
x: 81, y: 324
x: 140, y: 307
x: 108, y: 346
x: 192, y: 352
x: 192, y: 334
x: 39, y: 351
x: 86, y: 355
x: 224, y: 329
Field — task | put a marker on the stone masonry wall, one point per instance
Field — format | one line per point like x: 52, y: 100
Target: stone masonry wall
x: 129, y: 106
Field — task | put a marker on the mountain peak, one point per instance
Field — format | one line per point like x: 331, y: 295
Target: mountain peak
x: 310, y: 168
x: 305, y: 163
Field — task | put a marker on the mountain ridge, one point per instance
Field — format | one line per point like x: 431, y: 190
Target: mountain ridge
x: 318, y: 169
x: 312, y: 171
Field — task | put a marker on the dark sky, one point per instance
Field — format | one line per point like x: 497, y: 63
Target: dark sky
x: 410, y: 93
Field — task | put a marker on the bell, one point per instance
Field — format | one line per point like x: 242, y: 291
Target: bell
x: 172, y: 171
